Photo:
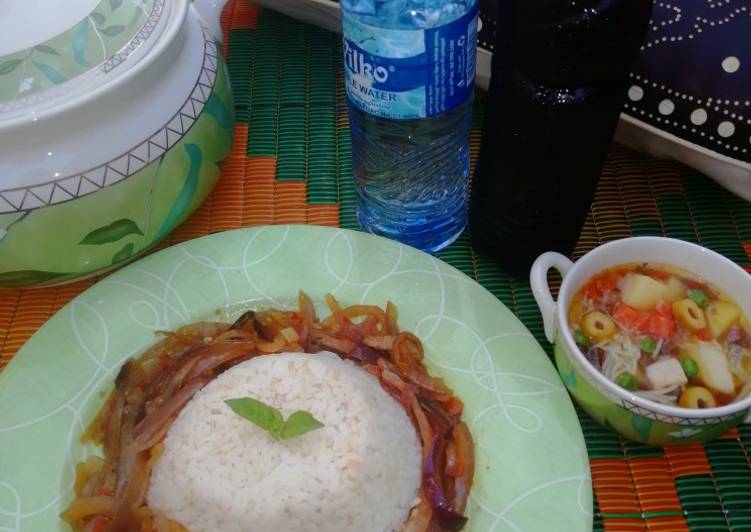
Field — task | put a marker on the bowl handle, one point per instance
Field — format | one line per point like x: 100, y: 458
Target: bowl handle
x: 538, y: 278
x: 209, y: 12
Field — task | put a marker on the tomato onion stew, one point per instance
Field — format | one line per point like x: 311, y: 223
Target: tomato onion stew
x: 664, y: 334
x: 150, y: 392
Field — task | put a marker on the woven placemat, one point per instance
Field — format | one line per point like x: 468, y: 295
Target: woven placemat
x: 291, y: 164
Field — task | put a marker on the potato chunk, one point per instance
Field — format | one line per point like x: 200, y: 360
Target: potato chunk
x: 642, y: 292
x: 714, y: 370
x: 746, y: 366
x: 666, y: 372
x: 720, y: 316
x: 676, y: 289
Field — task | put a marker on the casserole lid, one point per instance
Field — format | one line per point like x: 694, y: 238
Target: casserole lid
x: 52, y: 50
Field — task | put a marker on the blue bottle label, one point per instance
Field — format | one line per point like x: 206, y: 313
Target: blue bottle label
x: 404, y: 74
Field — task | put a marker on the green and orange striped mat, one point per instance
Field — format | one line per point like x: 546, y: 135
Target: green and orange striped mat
x: 291, y: 164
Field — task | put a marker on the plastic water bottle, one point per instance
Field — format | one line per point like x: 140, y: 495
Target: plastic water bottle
x: 409, y: 73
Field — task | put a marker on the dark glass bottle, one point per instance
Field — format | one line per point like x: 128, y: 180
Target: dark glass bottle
x: 559, y: 75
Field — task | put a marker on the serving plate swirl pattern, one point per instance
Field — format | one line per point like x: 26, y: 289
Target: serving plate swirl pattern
x: 529, y: 446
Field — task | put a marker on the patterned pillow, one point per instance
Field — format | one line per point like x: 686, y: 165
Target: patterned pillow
x: 689, y: 79
x: 690, y: 93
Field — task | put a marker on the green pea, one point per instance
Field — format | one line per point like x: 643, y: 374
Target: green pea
x: 648, y: 344
x: 689, y: 367
x: 626, y: 380
x: 698, y: 297
x: 581, y: 339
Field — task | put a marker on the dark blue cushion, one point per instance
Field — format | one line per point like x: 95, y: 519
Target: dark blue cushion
x: 693, y: 75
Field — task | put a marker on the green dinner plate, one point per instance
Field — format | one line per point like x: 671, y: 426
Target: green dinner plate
x: 532, y: 471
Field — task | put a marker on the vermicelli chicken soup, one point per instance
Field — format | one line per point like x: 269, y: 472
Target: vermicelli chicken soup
x: 664, y: 334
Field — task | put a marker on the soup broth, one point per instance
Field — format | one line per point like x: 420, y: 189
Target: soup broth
x: 664, y: 334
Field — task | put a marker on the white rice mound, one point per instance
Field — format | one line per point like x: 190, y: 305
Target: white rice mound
x: 221, y: 473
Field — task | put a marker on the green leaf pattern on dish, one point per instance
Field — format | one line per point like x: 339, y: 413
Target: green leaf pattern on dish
x: 9, y: 66
x: 45, y: 49
x: 216, y: 108
x: 111, y: 31
x: 49, y: 72
x: 123, y: 254
x: 98, y: 18
x: 182, y: 203
x: 642, y: 426
x: 106, y: 30
x: 149, y: 198
x: 569, y: 377
x: 79, y: 42
x: 112, y: 232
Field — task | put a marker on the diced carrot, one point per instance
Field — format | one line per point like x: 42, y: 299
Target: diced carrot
x: 659, y: 325
x: 663, y: 308
x: 636, y: 320
x: 590, y: 291
x: 598, y: 286
x: 606, y: 285
x: 703, y: 335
